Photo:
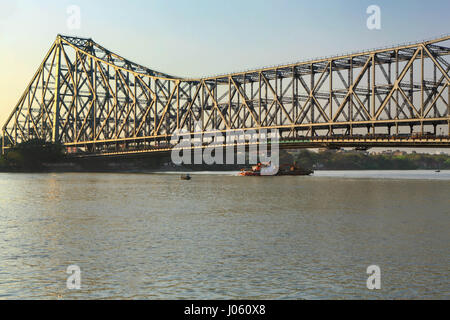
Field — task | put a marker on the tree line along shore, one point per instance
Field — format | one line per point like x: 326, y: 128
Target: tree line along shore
x: 360, y: 160
x: 35, y: 155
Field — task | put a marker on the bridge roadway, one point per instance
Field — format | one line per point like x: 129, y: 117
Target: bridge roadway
x: 335, y: 142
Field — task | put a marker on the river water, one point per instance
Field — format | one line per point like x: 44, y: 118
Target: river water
x: 220, y: 236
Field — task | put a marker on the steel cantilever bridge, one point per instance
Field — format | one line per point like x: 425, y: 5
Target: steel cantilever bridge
x: 96, y: 102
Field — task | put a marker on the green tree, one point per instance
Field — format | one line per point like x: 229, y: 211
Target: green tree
x: 31, y: 155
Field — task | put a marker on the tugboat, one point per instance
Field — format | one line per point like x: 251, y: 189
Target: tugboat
x: 262, y: 169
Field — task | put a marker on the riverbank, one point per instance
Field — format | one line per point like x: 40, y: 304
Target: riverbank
x: 39, y: 156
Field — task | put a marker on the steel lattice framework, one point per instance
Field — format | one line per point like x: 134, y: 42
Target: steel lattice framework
x: 92, y: 99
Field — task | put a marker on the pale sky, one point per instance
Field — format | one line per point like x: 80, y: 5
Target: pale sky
x: 200, y: 38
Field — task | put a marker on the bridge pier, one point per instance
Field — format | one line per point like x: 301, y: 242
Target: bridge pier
x: 3, y: 143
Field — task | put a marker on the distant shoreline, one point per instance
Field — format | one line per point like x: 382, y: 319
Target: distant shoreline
x: 37, y: 156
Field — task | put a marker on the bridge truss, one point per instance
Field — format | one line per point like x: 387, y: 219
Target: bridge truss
x: 93, y: 100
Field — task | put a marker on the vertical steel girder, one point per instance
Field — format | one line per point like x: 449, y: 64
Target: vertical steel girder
x: 86, y: 95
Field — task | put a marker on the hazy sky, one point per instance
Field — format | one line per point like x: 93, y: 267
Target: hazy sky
x: 199, y: 38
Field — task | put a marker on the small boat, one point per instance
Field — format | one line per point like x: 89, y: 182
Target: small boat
x: 185, y: 177
x: 438, y: 171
